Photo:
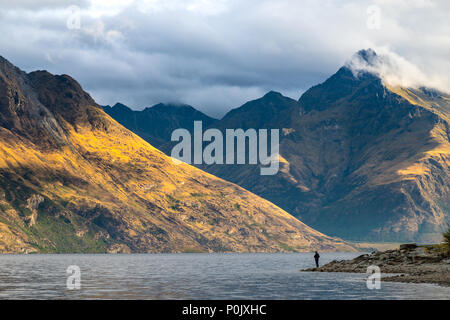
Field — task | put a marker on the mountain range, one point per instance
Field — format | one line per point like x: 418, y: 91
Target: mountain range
x: 157, y: 123
x: 359, y: 158
x: 72, y: 179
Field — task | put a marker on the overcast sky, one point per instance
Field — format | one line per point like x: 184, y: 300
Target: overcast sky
x: 218, y: 54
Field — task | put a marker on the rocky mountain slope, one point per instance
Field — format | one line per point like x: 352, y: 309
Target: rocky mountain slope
x: 359, y: 159
x: 73, y: 180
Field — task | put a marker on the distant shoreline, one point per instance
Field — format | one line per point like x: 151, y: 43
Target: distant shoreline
x: 375, y: 246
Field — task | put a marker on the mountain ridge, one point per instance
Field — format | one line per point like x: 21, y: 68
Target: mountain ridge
x: 355, y: 151
x: 74, y: 180
x: 155, y: 124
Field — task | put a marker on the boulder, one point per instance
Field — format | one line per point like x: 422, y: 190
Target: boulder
x: 408, y: 246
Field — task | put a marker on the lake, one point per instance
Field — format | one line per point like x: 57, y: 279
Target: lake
x: 194, y: 276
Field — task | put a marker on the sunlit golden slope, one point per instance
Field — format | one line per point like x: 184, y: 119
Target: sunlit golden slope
x: 74, y: 180
x: 440, y: 152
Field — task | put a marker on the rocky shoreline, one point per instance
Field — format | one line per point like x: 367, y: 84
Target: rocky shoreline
x: 410, y: 263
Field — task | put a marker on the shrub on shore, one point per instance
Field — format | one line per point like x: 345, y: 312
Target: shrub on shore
x: 446, y: 236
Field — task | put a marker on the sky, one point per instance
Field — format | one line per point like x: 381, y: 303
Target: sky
x: 217, y: 54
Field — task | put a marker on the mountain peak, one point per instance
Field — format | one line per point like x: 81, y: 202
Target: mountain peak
x: 4, y: 61
x: 34, y: 103
x: 272, y: 94
x: 365, y: 61
x: 393, y: 69
x: 261, y: 112
x: 166, y: 106
x: 119, y: 105
x: 8, y: 69
x: 368, y: 55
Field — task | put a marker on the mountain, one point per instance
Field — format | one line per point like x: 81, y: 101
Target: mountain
x: 266, y: 112
x: 359, y: 159
x: 74, y: 180
x: 155, y: 124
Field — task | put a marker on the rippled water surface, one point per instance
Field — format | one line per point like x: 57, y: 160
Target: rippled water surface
x: 194, y: 276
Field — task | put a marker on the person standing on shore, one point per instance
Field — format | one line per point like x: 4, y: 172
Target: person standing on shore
x: 316, y: 258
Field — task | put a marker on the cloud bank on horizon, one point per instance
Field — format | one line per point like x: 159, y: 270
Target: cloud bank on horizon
x: 218, y: 54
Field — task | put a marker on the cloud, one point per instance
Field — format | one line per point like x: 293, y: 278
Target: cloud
x: 40, y: 5
x: 395, y: 70
x: 206, y: 7
x: 218, y: 54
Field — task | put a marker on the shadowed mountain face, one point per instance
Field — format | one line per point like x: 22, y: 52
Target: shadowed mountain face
x: 157, y: 123
x: 359, y: 159
x: 74, y: 180
x: 267, y: 112
x: 378, y: 161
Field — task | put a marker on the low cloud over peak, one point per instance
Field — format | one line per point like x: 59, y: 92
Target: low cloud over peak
x: 395, y: 70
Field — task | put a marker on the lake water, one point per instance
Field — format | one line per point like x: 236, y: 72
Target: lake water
x: 194, y: 276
